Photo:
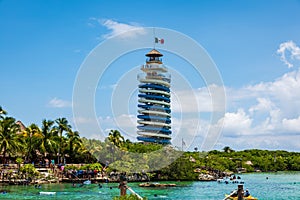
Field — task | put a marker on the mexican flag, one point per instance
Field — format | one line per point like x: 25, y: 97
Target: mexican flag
x: 159, y: 40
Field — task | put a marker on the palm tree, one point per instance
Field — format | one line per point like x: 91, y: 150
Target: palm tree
x: 48, y: 143
x: 116, y: 138
x: 84, y: 153
x: 30, y: 135
x: 62, y: 125
x: 9, y: 140
x: 73, y: 141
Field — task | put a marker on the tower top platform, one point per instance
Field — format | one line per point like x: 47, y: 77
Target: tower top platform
x: 154, y: 53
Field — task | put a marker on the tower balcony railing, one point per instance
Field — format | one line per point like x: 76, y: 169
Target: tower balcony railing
x: 154, y: 59
x: 154, y: 66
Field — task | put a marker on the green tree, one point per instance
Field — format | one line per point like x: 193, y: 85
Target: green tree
x: 62, y: 125
x: 19, y: 161
x: 9, y: 140
x: 227, y: 149
x: 30, y: 135
x: 29, y: 171
x: 116, y: 138
x: 73, y: 142
x: 95, y: 147
x: 48, y: 140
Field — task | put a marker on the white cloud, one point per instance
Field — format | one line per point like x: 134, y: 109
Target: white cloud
x: 289, y: 48
x: 283, y: 92
x: 237, y: 123
x: 263, y: 104
x: 292, y: 125
x: 267, y: 109
x: 117, y: 28
x: 59, y: 103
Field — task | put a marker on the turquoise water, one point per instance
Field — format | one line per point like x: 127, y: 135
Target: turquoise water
x: 278, y: 186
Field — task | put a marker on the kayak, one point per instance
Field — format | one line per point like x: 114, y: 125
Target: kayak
x: 245, y: 198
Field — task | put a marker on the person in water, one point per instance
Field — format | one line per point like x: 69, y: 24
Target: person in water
x: 247, y: 193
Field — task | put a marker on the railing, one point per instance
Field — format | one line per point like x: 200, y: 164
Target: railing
x: 154, y: 66
x: 153, y: 59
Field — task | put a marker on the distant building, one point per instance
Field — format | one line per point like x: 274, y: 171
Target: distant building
x: 154, y: 118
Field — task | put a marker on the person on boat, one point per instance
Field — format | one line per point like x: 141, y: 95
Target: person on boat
x: 122, y: 185
x: 247, y: 193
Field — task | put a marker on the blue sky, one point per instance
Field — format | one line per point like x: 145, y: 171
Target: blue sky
x: 254, y: 44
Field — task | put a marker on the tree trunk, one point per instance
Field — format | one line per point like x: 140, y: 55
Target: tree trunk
x: 4, y: 153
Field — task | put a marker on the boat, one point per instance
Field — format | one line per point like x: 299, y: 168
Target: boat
x: 234, y: 195
x: 87, y: 182
x: 47, y: 193
x: 236, y: 198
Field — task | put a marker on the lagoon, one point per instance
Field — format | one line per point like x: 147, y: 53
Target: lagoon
x: 275, y: 186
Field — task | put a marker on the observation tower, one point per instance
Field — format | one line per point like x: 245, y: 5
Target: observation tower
x: 154, y: 118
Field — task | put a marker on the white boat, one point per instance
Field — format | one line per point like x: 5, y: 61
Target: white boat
x: 47, y: 193
x: 87, y: 182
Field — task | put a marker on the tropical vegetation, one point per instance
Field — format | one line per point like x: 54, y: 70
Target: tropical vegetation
x: 53, y: 140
